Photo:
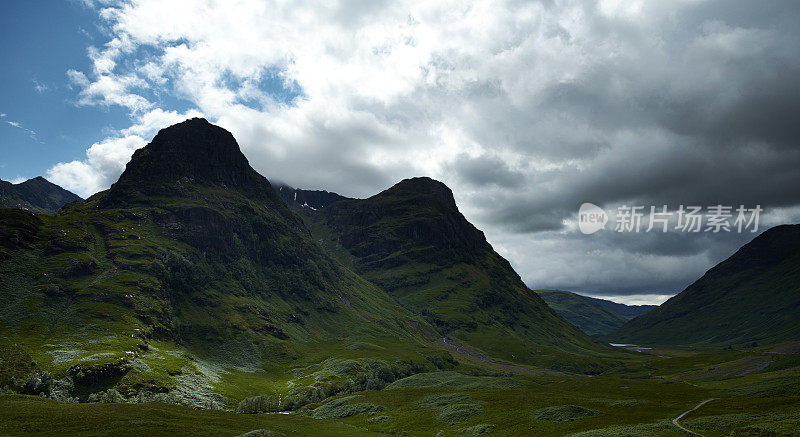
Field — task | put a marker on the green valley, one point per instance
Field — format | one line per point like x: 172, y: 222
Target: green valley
x: 193, y: 297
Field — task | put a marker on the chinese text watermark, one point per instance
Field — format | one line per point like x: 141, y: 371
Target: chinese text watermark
x: 691, y: 218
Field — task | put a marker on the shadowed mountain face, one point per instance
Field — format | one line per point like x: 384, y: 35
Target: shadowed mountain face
x: 190, y: 245
x: 412, y: 241
x: 753, y: 296
x: 182, y: 283
x: 415, y: 221
x: 191, y: 268
x: 193, y: 152
x: 209, y: 197
x: 587, y: 313
x: 37, y: 194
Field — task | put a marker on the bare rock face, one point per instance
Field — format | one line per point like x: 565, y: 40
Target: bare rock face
x: 191, y: 153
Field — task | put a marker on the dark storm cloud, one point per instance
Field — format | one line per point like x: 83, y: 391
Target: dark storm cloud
x: 486, y: 170
x: 709, y: 116
x: 618, y: 264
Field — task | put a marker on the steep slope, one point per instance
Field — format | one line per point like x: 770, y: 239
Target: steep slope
x: 753, y: 296
x: 37, y: 194
x: 584, y: 312
x: 191, y: 255
x: 412, y: 241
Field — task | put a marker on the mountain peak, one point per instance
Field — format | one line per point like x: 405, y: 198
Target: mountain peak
x: 37, y: 179
x: 195, y: 149
x: 424, y: 187
x: 191, y: 152
x: 426, y: 223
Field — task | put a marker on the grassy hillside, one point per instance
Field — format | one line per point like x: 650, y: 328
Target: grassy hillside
x: 584, y: 312
x: 412, y: 241
x: 190, y: 283
x: 752, y: 297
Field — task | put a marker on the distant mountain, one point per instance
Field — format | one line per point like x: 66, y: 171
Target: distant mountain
x: 37, y: 194
x: 412, y: 241
x: 588, y: 314
x: 753, y: 296
x: 627, y: 312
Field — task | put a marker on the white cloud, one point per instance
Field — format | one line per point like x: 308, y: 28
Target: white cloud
x: 104, y: 162
x: 31, y: 133
x: 152, y: 121
x: 551, y: 104
x: 39, y: 87
x: 638, y: 299
x: 77, y: 78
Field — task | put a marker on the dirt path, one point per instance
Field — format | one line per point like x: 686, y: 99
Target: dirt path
x: 517, y: 369
x: 675, y: 420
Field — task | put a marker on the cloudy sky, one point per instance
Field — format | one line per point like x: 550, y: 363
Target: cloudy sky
x: 525, y: 109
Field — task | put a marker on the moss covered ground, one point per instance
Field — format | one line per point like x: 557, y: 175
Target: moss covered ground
x: 463, y: 401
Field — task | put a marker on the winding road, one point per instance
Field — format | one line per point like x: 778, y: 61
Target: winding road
x: 675, y: 420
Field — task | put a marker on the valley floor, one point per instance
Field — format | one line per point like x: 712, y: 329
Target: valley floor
x: 640, y: 397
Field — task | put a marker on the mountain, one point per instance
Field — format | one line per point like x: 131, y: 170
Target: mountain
x: 37, y: 194
x: 412, y: 241
x: 753, y: 296
x: 587, y: 313
x: 627, y: 312
x: 183, y: 282
x: 191, y: 281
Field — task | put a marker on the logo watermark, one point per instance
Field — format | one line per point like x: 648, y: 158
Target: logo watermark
x: 692, y: 218
x: 591, y: 218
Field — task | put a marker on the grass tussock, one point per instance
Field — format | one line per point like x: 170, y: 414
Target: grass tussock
x: 452, y: 407
x: 748, y: 424
x: 774, y: 387
x: 563, y: 413
x: 455, y: 381
x: 477, y: 429
x: 342, y: 407
x: 637, y: 430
